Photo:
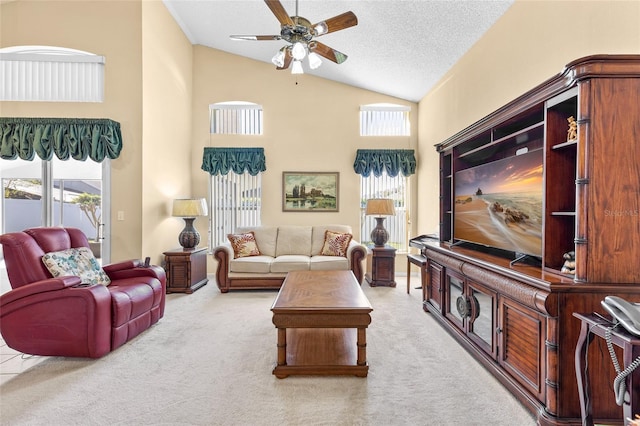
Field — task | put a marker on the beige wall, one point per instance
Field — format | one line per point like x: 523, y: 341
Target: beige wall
x: 166, y: 113
x: 532, y: 42
x: 310, y: 124
x: 113, y: 30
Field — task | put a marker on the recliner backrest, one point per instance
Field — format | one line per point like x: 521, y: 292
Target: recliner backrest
x: 23, y: 251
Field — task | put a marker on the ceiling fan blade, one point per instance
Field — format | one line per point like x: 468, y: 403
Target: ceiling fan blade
x: 337, y: 23
x: 255, y: 37
x: 329, y: 53
x: 287, y: 60
x: 278, y: 9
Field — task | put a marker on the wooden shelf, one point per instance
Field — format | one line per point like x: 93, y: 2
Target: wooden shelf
x: 565, y: 144
x: 503, y: 139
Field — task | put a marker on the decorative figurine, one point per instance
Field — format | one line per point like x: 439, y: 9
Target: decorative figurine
x: 569, y: 266
x: 572, y: 133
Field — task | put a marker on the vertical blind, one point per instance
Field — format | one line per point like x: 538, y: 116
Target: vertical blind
x: 236, y: 202
x: 54, y: 74
x: 384, y: 120
x: 236, y: 118
x: 394, y: 188
x: 235, y: 188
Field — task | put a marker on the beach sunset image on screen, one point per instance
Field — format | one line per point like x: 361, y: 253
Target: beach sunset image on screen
x: 499, y: 204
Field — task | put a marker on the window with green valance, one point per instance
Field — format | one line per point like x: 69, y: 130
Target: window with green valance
x: 238, y: 160
x: 77, y: 138
x: 392, y: 161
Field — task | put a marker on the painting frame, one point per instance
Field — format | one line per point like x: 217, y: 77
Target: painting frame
x: 310, y: 192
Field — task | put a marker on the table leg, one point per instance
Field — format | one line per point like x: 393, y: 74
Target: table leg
x: 584, y: 340
x: 362, y: 346
x: 282, y: 346
x: 408, y: 276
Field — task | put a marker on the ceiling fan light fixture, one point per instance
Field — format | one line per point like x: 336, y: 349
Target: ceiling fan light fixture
x: 314, y: 60
x: 296, y: 67
x: 298, y: 51
x: 320, y: 28
x: 278, y: 58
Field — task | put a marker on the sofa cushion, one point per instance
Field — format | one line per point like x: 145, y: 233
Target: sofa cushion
x: 244, y: 245
x: 336, y: 244
x: 288, y: 263
x: 328, y: 263
x: 252, y: 264
x: 294, y: 240
x: 265, y: 238
x: 318, y: 234
x: 76, y: 261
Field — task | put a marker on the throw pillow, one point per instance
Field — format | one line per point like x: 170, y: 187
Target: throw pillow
x: 335, y: 244
x: 244, y: 245
x: 76, y: 261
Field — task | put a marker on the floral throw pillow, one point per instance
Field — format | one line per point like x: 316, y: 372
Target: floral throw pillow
x: 244, y: 245
x: 335, y: 244
x: 76, y: 261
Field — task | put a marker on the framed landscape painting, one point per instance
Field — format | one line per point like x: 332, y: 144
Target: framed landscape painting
x: 310, y: 191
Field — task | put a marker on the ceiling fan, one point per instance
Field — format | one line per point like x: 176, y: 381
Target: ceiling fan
x: 300, y: 33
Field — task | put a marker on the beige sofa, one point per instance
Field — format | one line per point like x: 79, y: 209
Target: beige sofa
x: 284, y: 249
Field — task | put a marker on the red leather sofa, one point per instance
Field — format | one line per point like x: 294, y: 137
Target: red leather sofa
x: 43, y: 315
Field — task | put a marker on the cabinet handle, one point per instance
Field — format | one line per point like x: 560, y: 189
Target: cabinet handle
x: 463, y: 305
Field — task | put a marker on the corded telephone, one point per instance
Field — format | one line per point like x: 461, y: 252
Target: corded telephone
x: 627, y: 314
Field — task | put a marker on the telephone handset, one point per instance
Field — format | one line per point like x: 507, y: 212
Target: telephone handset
x: 626, y: 313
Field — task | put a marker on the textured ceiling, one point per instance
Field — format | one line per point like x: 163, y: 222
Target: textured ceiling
x: 400, y: 48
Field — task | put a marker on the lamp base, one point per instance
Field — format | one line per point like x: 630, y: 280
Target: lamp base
x: 379, y: 235
x: 189, y: 238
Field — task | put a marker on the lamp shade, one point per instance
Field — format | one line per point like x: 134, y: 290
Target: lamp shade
x: 379, y: 207
x: 189, y: 207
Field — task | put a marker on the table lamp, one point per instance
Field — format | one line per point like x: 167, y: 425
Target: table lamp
x: 189, y: 209
x: 379, y: 207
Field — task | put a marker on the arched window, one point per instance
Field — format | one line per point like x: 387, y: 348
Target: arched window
x: 53, y: 74
x: 236, y: 118
x: 384, y: 120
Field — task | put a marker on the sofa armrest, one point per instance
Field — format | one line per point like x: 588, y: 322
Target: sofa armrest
x: 356, y: 253
x: 223, y: 254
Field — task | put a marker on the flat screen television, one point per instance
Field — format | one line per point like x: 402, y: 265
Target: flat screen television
x: 499, y: 204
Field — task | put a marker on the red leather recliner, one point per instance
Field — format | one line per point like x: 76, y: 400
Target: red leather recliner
x: 43, y: 315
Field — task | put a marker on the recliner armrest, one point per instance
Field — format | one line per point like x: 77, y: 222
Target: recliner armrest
x: 134, y: 268
x: 44, y: 286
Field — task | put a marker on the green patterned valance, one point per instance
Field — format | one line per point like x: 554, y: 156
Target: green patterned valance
x: 393, y: 161
x: 237, y: 160
x: 76, y: 138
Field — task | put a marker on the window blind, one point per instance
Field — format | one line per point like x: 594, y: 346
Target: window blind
x: 54, y: 74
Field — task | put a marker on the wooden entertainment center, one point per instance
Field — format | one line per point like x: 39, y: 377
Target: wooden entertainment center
x: 516, y: 317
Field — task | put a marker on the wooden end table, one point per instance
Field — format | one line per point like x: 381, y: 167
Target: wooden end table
x: 381, y: 269
x: 322, y: 318
x: 186, y: 269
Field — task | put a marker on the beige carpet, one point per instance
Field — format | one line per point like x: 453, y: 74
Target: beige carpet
x: 209, y: 361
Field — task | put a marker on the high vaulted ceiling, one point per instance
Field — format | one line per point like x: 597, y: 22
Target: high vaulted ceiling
x: 399, y: 48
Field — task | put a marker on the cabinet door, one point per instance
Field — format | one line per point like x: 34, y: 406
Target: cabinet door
x: 455, y: 299
x: 434, y: 288
x: 521, y: 344
x: 482, y: 321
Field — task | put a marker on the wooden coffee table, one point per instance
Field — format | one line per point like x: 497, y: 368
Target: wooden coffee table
x: 322, y: 318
